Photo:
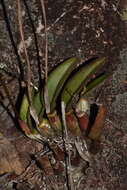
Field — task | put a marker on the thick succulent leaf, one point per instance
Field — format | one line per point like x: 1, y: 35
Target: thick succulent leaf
x: 38, y: 103
x: 29, y: 121
x: 24, y: 108
x: 74, y: 84
x: 94, y: 83
x: 55, y: 82
x: 25, y: 120
x: 57, y: 78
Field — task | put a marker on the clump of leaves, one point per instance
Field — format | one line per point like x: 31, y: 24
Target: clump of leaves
x: 74, y: 123
x: 63, y: 83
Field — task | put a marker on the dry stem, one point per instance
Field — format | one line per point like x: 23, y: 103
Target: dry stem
x: 25, y: 50
x: 32, y: 110
x: 67, y: 147
x: 46, y: 96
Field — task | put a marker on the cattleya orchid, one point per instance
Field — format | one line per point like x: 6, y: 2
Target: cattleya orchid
x: 63, y: 84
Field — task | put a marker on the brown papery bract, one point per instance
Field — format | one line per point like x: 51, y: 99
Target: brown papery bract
x: 98, y: 125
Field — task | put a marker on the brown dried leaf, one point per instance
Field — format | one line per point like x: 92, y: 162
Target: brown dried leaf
x: 98, y: 125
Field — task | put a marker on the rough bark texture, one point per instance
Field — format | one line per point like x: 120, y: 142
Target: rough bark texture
x: 85, y: 28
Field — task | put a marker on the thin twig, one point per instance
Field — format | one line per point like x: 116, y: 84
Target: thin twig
x: 35, y: 40
x: 67, y: 146
x: 46, y: 96
x: 32, y: 110
x: 46, y: 39
x: 25, y: 50
x: 56, y: 21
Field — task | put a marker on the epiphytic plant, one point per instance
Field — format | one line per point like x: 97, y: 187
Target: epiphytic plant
x: 49, y: 116
x: 63, y: 84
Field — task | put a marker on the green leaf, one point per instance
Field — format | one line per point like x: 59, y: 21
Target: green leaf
x: 57, y: 78
x: 38, y: 103
x: 74, y: 84
x: 94, y: 83
x: 33, y: 131
x: 24, y: 108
